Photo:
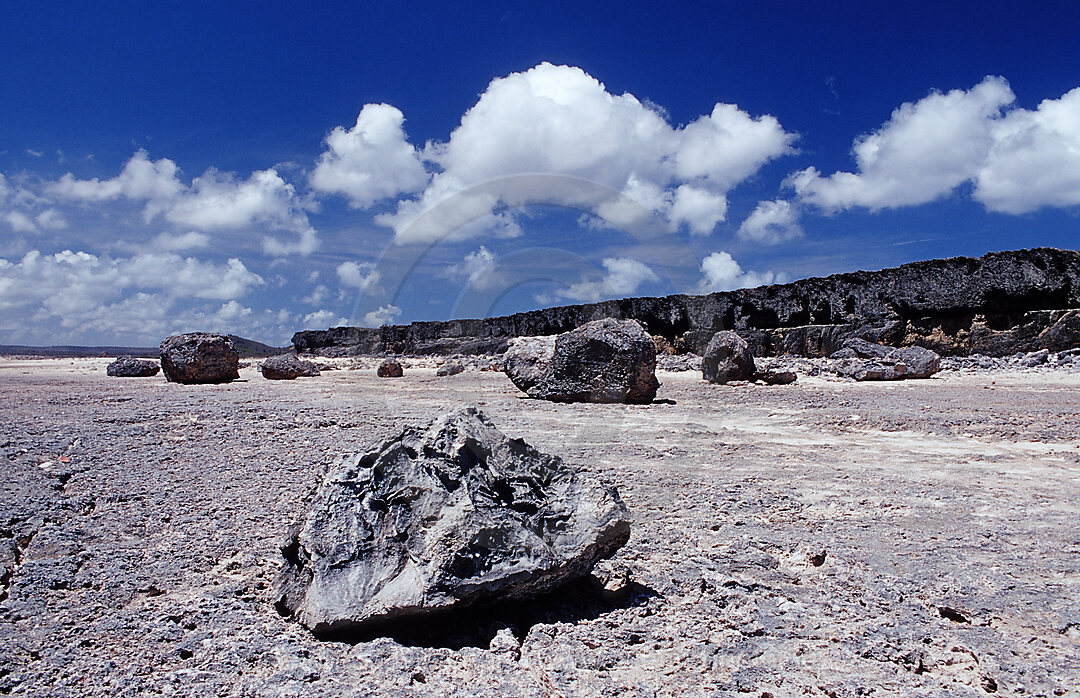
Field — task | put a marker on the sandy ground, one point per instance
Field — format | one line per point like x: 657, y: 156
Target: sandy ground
x: 820, y: 539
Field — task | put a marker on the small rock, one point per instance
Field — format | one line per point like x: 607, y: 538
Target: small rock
x: 199, y: 357
x: 287, y: 367
x: 390, y: 368
x: 130, y: 367
x: 1035, y: 358
x: 727, y: 358
x: 450, y: 368
x: 774, y: 377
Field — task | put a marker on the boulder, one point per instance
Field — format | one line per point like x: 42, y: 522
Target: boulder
x: 287, y: 367
x: 390, y: 368
x: 602, y: 361
x: 727, y: 358
x: 199, y: 357
x: 450, y: 368
x: 772, y: 376
x: 865, y: 361
x: 130, y: 367
x: 528, y: 360
x: 439, y: 519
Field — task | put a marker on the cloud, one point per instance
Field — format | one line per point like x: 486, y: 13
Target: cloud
x: 622, y: 278
x: 20, y: 222
x: 215, y: 201
x: 1018, y: 160
x: 324, y: 318
x: 723, y: 273
x: 385, y: 315
x: 190, y: 240
x: 371, y: 161
x: 1035, y: 158
x: 771, y: 223
x: 478, y: 269
x: 558, y: 120
x: 360, y: 276
x: 317, y: 295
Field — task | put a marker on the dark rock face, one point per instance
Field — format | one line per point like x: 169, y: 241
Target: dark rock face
x: 998, y: 304
x: 287, y: 367
x: 130, y: 367
x: 390, y: 368
x: 727, y: 358
x: 602, y: 361
x: 868, y: 361
x: 199, y: 357
x: 432, y: 520
x: 450, y: 368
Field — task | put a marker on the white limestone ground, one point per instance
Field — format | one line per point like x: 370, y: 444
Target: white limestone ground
x: 822, y: 538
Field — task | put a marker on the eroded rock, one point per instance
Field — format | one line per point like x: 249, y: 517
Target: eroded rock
x: 390, y: 368
x: 727, y: 358
x: 287, y: 367
x: 450, y: 368
x: 130, y: 367
x: 443, y: 518
x: 199, y: 357
x: 865, y: 361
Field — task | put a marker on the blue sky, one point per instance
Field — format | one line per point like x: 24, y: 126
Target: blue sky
x: 265, y: 168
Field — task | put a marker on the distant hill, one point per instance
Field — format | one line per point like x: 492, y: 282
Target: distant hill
x: 247, y: 348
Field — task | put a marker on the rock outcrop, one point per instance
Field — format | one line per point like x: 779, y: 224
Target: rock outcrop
x: 130, y: 367
x: 441, y: 519
x: 867, y: 361
x: 602, y: 361
x: 727, y: 358
x: 390, y: 368
x: 287, y: 367
x: 998, y: 304
x: 199, y: 357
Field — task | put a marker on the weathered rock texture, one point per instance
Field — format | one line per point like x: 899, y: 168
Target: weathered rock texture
x: 450, y: 368
x: 391, y: 368
x: 287, y: 367
x: 868, y: 361
x: 998, y: 304
x: 440, y: 519
x: 727, y: 358
x: 602, y: 361
x: 130, y: 367
x: 199, y: 357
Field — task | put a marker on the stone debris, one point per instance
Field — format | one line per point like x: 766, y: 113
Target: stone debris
x: 601, y: 361
x: 130, y: 367
x: 450, y: 368
x: 437, y: 519
x: 390, y: 368
x: 865, y: 361
x: 287, y: 367
x: 727, y: 358
x: 199, y: 357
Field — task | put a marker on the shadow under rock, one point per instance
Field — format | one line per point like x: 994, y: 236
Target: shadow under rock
x: 475, y: 626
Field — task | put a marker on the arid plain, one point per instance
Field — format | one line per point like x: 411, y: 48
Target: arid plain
x: 825, y: 538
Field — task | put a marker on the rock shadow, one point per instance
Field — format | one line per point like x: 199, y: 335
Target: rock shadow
x: 475, y: 626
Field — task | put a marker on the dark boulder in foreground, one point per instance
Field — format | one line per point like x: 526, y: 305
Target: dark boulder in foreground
x: 727, y: 358
x: 199, y: 357
x: 439, y: 519
x: 130, y: 367
x: 390, y: 368
x: 866, y: 361
x: 287, y: 367
x: 601, y: 361
x: 450, y: 368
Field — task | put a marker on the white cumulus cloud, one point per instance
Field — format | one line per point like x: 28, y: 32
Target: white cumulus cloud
x: 360, y: 276
x: 478, y: 268
x: 371, y: 161
x: 771, y: 223
x: 384, y: 315
x: 324, y: 318
x: 722, y: 273
x: 622, y: 277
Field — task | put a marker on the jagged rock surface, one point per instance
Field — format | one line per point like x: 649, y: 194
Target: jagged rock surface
x: 199, y: 357
x: 727, y: 358
x: 130, y: 367
x: 998, y: 304
x: 440, y: 519
x: 602, y: 361
x: 287, y: 367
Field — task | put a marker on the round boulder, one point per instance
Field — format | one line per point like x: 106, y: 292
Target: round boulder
x: 389, y: 368
x: 727, y: 358
x: 130, y: 367
x: 287, y: 367
x: 199, y: 357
